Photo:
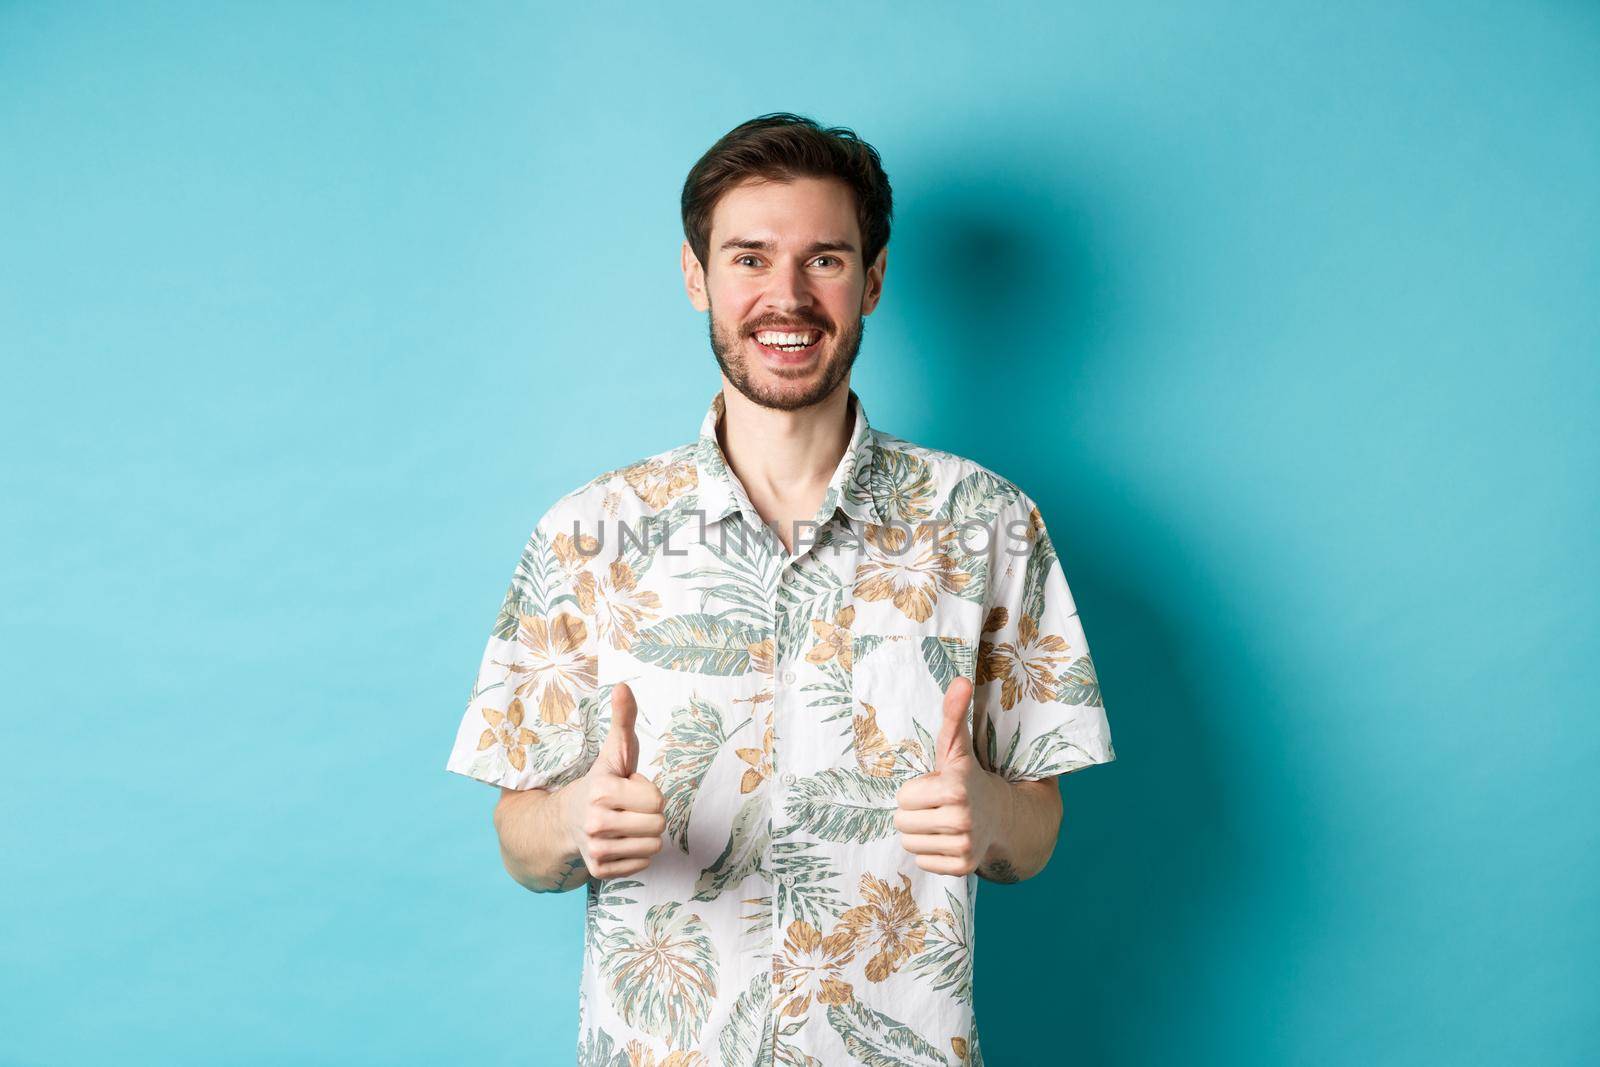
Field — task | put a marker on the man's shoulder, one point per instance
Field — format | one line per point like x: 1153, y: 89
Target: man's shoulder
x: 929, y: 482
x: 635, y: 490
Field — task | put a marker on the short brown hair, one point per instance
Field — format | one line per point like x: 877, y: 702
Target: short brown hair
x: 780, y: 147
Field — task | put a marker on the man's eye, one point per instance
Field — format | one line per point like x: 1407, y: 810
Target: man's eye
x: 741, y: 259
x: 819, y: 259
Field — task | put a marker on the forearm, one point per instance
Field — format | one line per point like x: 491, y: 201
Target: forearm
x: 1029, y: 824
x: 535, y: 845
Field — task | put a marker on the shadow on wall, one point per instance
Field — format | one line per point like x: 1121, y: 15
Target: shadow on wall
x: 1105, y: 956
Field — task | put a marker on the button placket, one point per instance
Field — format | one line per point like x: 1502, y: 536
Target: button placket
x: 777, y: 799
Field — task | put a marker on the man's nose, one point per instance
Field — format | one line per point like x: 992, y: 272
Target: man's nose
x: 787, y: 290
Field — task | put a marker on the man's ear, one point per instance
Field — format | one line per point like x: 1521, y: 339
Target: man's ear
x: 694, y: 278
x: 874, y: 289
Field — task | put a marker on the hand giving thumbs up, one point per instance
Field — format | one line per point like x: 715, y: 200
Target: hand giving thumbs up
x: 613, y: 813
x: 950, y: 818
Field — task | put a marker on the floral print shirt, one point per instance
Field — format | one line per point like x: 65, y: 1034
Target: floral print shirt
x: 783, y: 700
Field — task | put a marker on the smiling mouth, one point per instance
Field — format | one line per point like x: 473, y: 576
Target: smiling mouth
x: 788, y: 342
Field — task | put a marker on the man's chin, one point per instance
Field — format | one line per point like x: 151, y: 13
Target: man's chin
x: 786, y: 392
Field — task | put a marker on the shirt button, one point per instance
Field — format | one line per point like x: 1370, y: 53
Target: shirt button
x: 786, y: 879
x: 788, y: 677
x: 788, y: 778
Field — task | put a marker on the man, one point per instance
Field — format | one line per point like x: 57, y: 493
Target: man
x: 779, y: 696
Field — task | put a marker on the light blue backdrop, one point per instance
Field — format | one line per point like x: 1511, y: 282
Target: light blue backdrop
x: 307, y: 312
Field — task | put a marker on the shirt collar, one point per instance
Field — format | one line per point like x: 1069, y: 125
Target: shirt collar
x: 849, y: 490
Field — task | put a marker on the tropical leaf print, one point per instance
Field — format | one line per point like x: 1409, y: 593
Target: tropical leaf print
x: 536, y: 586
x: 662, y: 978
x: 803, y: 876
x: 703, y: 644
x: 866, y: 644
x: 747, y: 1035
x: 1041, y: 557
x: 840, y: 805
x: 747, y: 841
x: 946, y: 658
x: 831, y: 697
x: 874, y: 1039
x: 1079, y: 684
x: 693, y: 737
x: 977, y: 498
x: 605, y: 904
x: 810, y: 590
x: 739, y: 576
x: 639, y: 543
x: 599, y: 1050
x: 946, y: 956
x: 903, y: 485
x: 1041, y: 760
x: 790, y: 1056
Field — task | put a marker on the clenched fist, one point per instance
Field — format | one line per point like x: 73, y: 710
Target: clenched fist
x: 613, y: 813
x: 949, y: 819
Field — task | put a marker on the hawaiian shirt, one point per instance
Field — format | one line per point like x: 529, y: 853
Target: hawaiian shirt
x: 784, y: 697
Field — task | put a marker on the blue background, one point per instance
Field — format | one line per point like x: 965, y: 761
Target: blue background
x: 309, y: 311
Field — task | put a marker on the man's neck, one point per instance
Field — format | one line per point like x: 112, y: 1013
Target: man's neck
x: 785, y: 459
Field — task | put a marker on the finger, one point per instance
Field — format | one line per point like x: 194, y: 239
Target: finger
x: 620, y: 752
x: 617, y: 823
x: 950, y: 865
x: 620, y: 868
x: 936, y: 844
x: 635, y: 793
x: 610, y: 849
x: 955, y: 740
x: 940, y: 820
x: 925, y: 791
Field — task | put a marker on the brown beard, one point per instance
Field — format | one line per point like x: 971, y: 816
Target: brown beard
x: 837, y: 359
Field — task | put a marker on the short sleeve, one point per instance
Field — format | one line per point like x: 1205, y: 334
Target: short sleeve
x: 530, y: 721
x: 1037, y: 708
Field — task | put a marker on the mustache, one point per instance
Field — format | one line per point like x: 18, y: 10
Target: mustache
x: 802, y: 325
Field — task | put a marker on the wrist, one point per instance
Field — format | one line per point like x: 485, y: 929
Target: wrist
x: 1004, y: 805
x: 566, y: 809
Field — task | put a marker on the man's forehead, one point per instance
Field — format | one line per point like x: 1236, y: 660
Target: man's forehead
x: 803, y: 212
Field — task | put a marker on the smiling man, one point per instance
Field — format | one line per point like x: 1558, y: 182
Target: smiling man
x: 778, y: 697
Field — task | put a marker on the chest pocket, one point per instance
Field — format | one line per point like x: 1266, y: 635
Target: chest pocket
x: 897, y: 688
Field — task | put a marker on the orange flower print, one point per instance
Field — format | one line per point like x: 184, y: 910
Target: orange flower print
x: 911, y: 569
x: 1025, y: 668
x: 812, y: 965
x: 760, y: 760
x: 573, y: 553
x: 616, y: 603
x: 890, y: 921
x: 641, y: 1055
x: 659, y: 482
x: 506, y: 730
x: 874, y: 754
x: 556, y: 665
x: 833, y: 638
x: 761, y: 655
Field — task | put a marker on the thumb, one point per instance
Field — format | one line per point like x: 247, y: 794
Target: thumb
x: 955, y: 740
x: 620, y: 753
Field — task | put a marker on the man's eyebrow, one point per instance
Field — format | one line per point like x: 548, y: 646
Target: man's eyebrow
x: 767, y: 246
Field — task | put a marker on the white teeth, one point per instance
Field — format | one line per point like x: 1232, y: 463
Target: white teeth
x: 796, y: 340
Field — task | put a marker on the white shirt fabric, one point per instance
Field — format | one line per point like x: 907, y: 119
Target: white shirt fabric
x: 783, y: 700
